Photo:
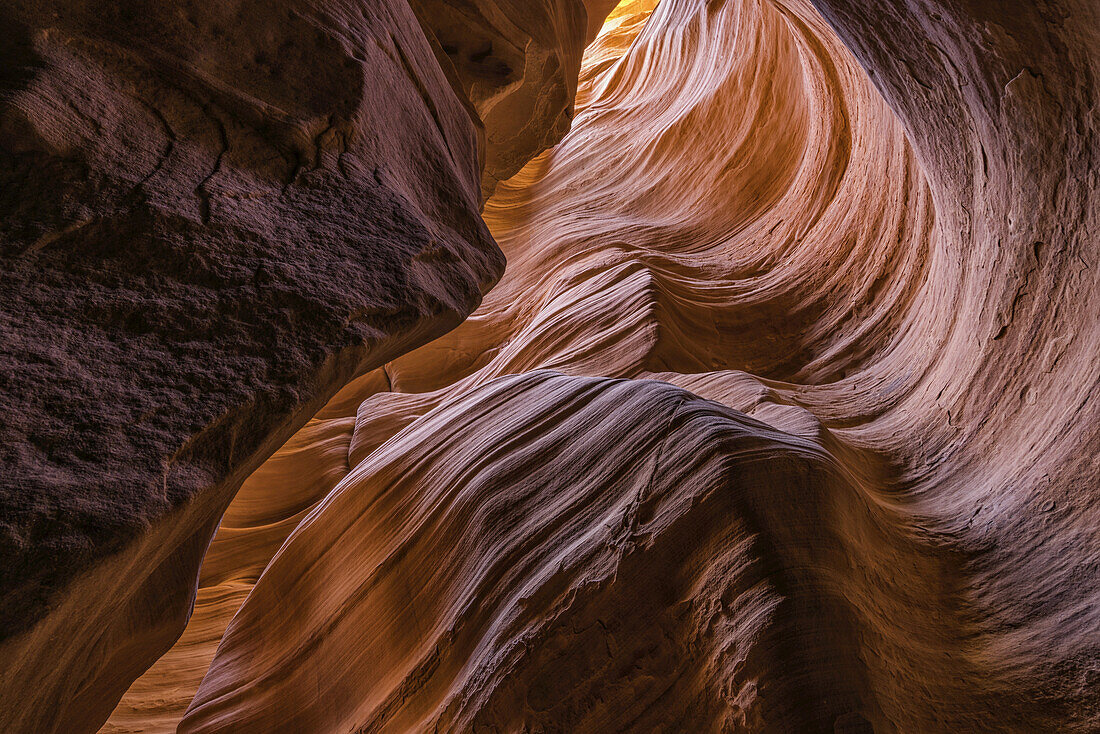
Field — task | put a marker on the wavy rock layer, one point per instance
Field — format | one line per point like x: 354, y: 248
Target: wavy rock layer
x: 485, y: 577
x: 872, y: 511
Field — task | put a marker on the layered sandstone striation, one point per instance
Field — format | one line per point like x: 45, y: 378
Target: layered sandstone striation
x: 505, y: 575
x: 780, y: 418
x: 214, y: 218
x: 816, y: 447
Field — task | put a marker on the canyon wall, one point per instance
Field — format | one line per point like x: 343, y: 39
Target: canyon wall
x: 516, y: 61
x: 779, y: 418
x: 861, y: 240
x: 215, y: 216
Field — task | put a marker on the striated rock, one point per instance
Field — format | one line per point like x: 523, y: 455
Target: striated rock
x: 1000, y: 443
x: 266, y: 509
x: 910, y: 323
x: 630, y: 248
x: 214, y: 216
x: 621, y: 290
x: 818, y: 448
x: 487, y: 570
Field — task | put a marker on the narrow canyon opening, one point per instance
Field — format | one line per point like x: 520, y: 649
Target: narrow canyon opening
x: 777, y: 415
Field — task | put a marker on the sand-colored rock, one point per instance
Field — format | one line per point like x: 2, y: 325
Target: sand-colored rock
x: 490, y: 571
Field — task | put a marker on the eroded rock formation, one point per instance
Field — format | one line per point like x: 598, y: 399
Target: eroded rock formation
x: 516, y: 61
x: 780, y: 418
x: 504, y: 575
x: 214, y: 217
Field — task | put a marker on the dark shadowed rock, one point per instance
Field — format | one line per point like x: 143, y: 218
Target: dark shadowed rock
x: 213, y: 216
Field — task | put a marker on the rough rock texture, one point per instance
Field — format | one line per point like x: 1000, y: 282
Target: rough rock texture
x: 819, y: 451
x: 214, y: 216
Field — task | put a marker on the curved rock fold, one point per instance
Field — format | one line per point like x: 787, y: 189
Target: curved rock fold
x: 780, y: 417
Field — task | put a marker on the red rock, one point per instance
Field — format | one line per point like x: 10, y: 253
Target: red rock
x: 781, y: 418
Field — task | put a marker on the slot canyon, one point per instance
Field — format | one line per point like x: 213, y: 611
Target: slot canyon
x: 549, y: 366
